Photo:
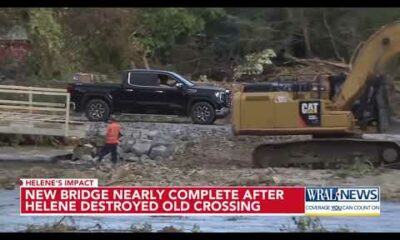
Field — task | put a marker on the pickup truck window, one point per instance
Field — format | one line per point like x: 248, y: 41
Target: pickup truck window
x: 182, y: 79
x: 166, y: 80
x: 143, y: 79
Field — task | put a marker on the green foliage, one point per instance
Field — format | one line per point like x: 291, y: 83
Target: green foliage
x: 46, y: 34
x: 360, y: 167
x: 102, y: 44
x: 192, y: 40
x: 46, y: 29
x: 209, y: 14
x: 254, y: 63
x: 166, y: 26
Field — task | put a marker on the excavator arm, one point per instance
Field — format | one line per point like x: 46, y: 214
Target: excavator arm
x: 369, y: 61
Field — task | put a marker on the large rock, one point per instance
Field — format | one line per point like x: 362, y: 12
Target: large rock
x: 80, y: 151
x: 145, y: 158
x: 132, y: 158
x: 126, y: 146
x: 168, y: 138
x: 97, y: 140
x: 152, y: 134
x: 107, y: 158
x: 136, y: 134
x: 123, y: 156
x: 87, y: 157
x: 159, y: 151
x: 141, y: 148
x: 177, y: 133
x: 159, y: 159
x: 162, y: 142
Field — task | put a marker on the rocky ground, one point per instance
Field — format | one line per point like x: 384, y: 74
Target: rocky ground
x: 166, y: 154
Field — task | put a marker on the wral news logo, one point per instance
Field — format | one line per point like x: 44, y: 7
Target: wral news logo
x: 342, y: 194
x: 342, y: 201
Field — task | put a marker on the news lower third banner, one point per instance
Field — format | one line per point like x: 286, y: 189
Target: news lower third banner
x: 82, y: 197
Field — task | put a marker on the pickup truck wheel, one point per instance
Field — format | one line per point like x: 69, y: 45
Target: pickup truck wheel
x: 203, y: 113
x: 97, y: 110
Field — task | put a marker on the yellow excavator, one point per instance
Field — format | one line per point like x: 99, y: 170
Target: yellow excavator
x: 336, y: 111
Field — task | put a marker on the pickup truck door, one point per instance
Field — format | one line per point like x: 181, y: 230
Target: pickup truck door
x: 141, y: 94
x: 126, y: 101
x: 174, y: 99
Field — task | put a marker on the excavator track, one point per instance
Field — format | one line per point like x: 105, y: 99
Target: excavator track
x: 327, y: 153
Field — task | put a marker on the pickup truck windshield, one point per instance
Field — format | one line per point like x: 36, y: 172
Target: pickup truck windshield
x: 185, y: 81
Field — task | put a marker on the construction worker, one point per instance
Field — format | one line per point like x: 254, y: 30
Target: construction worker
x: 112, y: 139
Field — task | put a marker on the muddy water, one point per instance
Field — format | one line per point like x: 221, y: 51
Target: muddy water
x: 11, y: 221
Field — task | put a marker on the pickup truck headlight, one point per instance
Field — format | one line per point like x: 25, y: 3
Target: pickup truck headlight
x: 218, y: 95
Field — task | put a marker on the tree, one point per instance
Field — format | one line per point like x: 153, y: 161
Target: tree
x: 47, y: 39
x: 202, y: 40
x: 162, y: 28
x: 99, y: 38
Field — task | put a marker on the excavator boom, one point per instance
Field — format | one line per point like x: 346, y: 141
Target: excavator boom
x: 368, y: 62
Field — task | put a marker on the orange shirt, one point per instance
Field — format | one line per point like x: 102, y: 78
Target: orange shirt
x: 113, y: 130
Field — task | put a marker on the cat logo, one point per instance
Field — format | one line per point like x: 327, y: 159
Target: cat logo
x: 310, y: 113
x: 309, y: 108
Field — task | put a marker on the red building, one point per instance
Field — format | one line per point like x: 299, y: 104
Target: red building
x: 14, y: 44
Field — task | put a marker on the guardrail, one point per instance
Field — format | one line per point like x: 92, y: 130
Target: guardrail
x: 30, y: 106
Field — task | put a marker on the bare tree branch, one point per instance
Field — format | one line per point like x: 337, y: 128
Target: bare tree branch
x: 328, y: 28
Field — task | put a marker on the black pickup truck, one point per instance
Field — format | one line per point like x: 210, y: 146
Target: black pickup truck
x: 151, y: 92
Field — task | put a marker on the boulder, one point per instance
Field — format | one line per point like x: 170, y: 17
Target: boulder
x: 132, y: 158
x: 88, y: 145
x: 184, y: 138
x: 143, y: 157
x: 158, y: 159
x: 87, y: 157
x: 141, y: 148
x: 161, y: 142
x: 95, y: 151
x: 159, y: 151
x: 144, y: 132
x: 97, y: 140
x: 123, y: 156
x: 152, y: 134
x: 136, y: 134
x: 127, y: 145
x: 168, y: 138
x: 80, y: 151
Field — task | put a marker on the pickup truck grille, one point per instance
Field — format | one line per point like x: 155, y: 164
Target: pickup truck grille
x: 227, y: 98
